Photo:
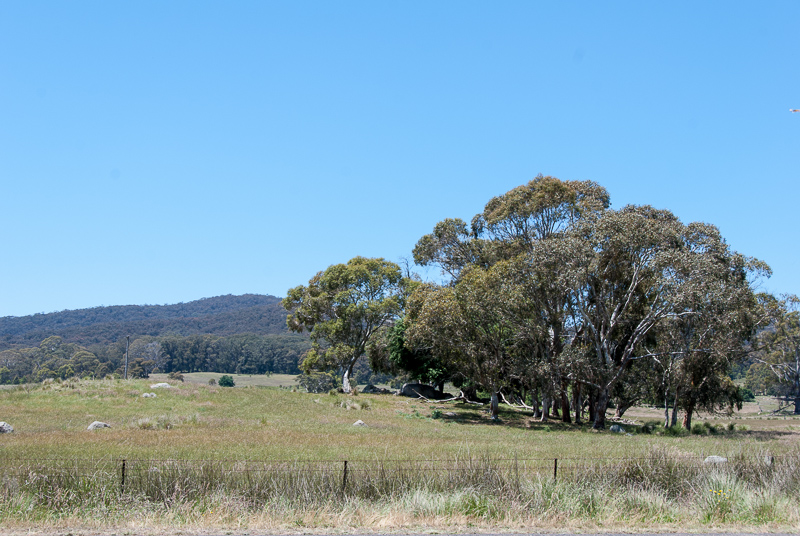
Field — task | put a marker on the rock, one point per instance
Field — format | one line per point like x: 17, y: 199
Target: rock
x: 5, y: 428
x: 617, y: 429
x: 450, y: 414
x: 376, y: 390
x: 359, y: 422
x: 715, y: 459
x: 148, y: 395
x: 160, y: 386
x: 417, y: 390
x: 97, y: 425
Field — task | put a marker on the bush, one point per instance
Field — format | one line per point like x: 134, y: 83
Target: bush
x: 698, y: 429
x: 712, y: 429
x: 226, y: 381
x: 212, y: 381
x: 177, y: 376
x: 746, y: 394
x: 648, y: 427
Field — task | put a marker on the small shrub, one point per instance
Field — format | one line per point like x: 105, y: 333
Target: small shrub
x: 177, y: 376
x: 436, y: 414
x: 648, y: 427
x: 212, y: 381
x: 226, y: 381
x: 731, y: 427
x: 698, y: 429
x: 710, y: 428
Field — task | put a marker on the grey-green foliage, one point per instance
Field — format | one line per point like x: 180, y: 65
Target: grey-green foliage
x: 549, y: 287
x: 343, y: 309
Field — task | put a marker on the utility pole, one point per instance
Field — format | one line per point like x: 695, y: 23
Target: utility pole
x: 127, y: 342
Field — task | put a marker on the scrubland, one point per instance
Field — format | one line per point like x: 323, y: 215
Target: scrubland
x: 269, y: 459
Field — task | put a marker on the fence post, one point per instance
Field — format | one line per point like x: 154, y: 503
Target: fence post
x: 122, y: 484
x: 555, y: 468
x: 344, y: 477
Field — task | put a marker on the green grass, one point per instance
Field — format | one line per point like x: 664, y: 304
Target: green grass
x: 505, y: 467
x: 241, y: 380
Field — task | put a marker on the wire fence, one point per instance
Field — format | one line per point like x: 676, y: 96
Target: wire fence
x: 61, y: 481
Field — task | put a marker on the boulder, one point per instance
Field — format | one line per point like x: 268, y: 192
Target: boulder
x: 97, y: 425
x: 617, y: 429
x: 148, y: 395
x: 715, y: 459
x: 417, y: 390
x: 5, y: 428
x: 376, y: 390
x: 163, y: 385
x: 359, y: 422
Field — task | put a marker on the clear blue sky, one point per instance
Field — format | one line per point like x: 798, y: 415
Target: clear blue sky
x: 159, y: 152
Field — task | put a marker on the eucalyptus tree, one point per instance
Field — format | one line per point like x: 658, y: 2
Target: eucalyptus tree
x: 696, y: 350
x: 635, y: 269
x: 466, y: 326
x: 781, y: 349
x: 343, y: 308
x: 514, y: 235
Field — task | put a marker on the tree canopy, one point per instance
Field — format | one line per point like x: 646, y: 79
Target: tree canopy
x: 343, y: 309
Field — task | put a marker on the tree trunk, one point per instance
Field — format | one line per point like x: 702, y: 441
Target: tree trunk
x: 348, y: 372
x: 600, y: 410
x: 577, y: 405
x: 622, y: 407
x: 592, y: 405
x: 494, y: 405
x: 565, y: 416
x: 537, y: 412
x: 545, y: 408
x: 666, y: 409
x: 797, y: 392
x: 674, y: 420
x: 687, y: 418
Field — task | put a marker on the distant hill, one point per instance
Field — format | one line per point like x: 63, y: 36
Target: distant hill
x: 221, y: 315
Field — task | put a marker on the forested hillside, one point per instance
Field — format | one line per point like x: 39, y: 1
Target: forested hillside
x: 238, y: 334
x: 221, y: 316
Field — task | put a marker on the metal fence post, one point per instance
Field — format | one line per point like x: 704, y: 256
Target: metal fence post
x: 344, y: 477
x: 122, y: 484
x: 555, y: 468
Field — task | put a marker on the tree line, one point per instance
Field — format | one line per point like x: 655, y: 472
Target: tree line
x: 236, y: 354
x: 552, y: 301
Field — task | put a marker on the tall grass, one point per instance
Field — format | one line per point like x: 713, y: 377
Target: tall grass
x: 662, y: 487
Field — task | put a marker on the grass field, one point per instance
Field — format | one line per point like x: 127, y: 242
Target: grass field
x: 258, y: 422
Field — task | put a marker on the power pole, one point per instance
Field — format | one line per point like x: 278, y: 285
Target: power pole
x: 127, y: 342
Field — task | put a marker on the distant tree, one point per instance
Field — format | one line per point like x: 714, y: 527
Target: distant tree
x: 226, y: 381
x: 343, y: 308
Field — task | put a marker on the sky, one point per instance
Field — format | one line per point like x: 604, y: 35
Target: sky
x: 160, y: 152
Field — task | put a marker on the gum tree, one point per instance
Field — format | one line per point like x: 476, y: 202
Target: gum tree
x: 343, y: 309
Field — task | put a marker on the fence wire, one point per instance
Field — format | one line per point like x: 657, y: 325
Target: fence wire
x: 61, y: 480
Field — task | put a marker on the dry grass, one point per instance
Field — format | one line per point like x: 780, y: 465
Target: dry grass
x: 408, y: 471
